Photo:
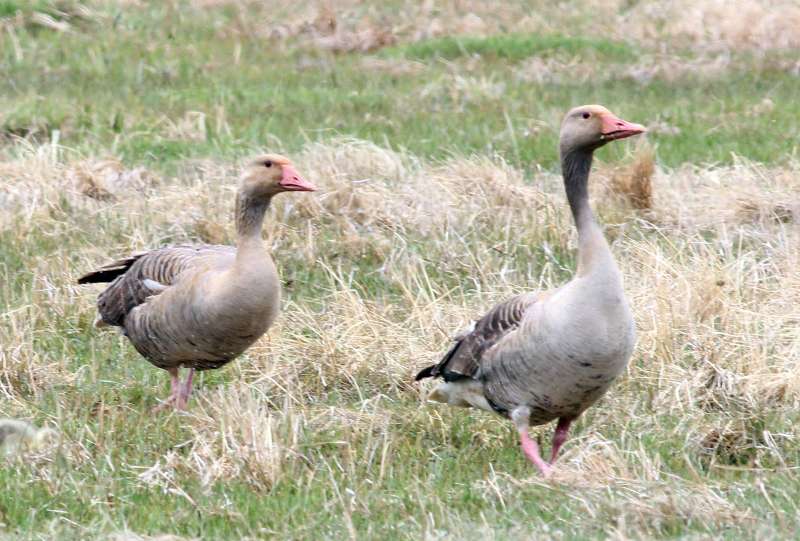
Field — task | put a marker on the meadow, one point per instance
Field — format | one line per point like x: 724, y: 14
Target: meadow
x: 431, y: 130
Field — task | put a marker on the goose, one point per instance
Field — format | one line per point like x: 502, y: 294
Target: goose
x: 538, y: 357
x: 200, y: 307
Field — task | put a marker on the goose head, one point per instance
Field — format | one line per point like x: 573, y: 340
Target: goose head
x: 272, y: 174
x: 589, y: 127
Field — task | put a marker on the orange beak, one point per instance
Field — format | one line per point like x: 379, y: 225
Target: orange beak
x: 293, y: 182
x: 615, y: 128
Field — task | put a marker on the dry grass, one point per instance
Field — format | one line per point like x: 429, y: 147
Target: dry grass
x: 318, y: 432
x: 354, y: 26
x: 710, y: 271
x: 60, y: 16
x: 717, y: 24
x: 708, y: 25
x: 633, y: 183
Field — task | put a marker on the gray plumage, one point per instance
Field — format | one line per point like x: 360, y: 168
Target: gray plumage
x: 200, y: 307
x: 179, y: 321
x: 464, y: 359
x: 544, y: 356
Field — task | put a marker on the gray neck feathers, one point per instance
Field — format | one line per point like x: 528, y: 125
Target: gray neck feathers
x: 250, y: 215
x: 575, y: 167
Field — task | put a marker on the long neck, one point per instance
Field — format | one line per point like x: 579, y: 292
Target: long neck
x: 575, y: 167
x: 249, y: 220
x: 592, y: 246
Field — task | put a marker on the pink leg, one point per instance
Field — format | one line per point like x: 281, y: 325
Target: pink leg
x: 184, y: 391
x: 560, y: 436
x: 531, y: 451
x: 175, y: 390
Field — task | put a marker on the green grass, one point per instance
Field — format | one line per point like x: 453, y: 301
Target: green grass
x: 9, y: 8
x: 122, y: 80
x: 517, y: 47
x: 121, y: 86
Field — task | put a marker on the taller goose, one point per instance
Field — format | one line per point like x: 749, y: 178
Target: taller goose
x: 538, y: 357
x: 200, y: 307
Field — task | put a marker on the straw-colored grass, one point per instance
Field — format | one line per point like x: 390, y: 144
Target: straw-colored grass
x: 390, y: 258
x: 431, y: 129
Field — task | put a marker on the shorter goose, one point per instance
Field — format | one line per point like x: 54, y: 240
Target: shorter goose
x: 200, y: 307
x: 544, y: 356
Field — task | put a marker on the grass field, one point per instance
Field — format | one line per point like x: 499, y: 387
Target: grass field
x: 431, y: 130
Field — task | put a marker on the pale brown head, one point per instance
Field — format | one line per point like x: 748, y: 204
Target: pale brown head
x: 589, y: 127
x: 272, y: 174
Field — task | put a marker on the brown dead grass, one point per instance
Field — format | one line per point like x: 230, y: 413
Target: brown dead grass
x: 634, y: 182
x: 714, y: 290
x: 104, y: 180
x: 350, y: 25
x: 238, y: 434
x: 719, y: 24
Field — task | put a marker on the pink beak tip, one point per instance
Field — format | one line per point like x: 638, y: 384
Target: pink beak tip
x: 292, y: 181
x: 299, y: 184
x: 616, y: 128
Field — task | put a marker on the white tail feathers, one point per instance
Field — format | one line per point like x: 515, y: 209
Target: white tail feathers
x: 465, y: 393
x: 152, y: 285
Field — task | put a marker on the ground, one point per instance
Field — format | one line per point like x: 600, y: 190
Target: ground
x: 431, y: 130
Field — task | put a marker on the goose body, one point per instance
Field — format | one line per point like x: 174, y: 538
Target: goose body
x: 200, y: 307
x: 538, y: 357
x: 201, y: 315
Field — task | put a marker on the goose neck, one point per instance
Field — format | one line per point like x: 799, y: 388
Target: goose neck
x: 594, y: 254
x: 250, y: 213
x: 575, y: 167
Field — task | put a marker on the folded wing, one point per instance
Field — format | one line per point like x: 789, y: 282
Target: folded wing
x: 467, y: 354
x: 144, y: 274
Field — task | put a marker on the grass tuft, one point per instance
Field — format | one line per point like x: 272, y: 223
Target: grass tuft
x: 635, y: 181
x: 440, y: 194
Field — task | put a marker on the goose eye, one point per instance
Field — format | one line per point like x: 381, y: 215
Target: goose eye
x: 268, y: 163
x: 586, y: 115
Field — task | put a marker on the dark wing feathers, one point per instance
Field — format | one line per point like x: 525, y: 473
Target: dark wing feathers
x: 108, y: 272
x: 464, y: 358
x: 129, y: 277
